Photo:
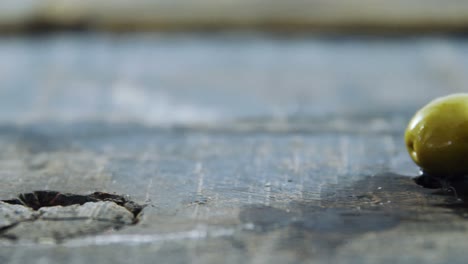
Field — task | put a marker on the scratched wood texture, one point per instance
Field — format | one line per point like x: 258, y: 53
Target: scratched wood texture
x: 247, y: 148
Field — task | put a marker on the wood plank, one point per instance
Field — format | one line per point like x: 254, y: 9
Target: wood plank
x: 302, y: 161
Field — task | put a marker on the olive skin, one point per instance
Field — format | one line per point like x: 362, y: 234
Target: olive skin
x: 437, y: 137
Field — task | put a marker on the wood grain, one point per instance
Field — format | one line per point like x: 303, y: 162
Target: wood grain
x: 246, y: 148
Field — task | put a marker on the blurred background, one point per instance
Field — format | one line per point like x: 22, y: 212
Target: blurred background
x: 232, y: 63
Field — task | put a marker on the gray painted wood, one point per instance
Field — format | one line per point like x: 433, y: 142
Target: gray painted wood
x: 246, y: 148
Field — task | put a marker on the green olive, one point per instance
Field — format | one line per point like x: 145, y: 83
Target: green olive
x: 437, y: 137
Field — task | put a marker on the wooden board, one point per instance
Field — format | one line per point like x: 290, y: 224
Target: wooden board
x: 245, y: 148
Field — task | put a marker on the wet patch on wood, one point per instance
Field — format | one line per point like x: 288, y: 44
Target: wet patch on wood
x: 371, y: 205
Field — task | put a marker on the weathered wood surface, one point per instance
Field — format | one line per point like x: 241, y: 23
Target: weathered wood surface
x: 273, y: 14
x: 246, y: 148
